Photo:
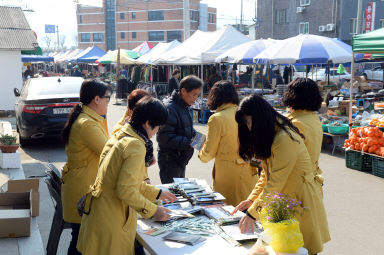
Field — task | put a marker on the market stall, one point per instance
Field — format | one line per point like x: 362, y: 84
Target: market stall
x: 365, y: 145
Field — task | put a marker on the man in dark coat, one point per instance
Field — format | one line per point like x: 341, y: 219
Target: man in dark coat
x: 175, y: 137
x: 174, y: 81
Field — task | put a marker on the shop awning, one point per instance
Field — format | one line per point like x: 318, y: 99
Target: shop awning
x: 36, y: 58
x: 372, y: 42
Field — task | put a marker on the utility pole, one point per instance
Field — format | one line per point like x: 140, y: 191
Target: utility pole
x: 58, y: 41
x: 187, y: 22
x: 359, y: 16
x: 241, y: 17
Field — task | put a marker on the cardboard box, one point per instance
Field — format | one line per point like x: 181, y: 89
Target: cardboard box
x: 27, y: 185
x: 15, y: 214
x: 10, y: 160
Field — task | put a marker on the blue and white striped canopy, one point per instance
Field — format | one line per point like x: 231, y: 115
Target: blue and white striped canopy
x: 305, y: 49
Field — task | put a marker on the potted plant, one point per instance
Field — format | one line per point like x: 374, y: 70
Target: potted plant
x: 278, y: 220
x: 8, y: 144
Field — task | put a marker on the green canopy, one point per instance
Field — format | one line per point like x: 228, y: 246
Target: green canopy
x: 36, y: 51
x: 372, y: 42
x: 111, y: 56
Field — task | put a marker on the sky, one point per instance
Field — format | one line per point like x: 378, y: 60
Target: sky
x: 62, y: 13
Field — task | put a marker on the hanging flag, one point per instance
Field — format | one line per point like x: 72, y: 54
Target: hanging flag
x: 341, y: 69
x: 50, y: 29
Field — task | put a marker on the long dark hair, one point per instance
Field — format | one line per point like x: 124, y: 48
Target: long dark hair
x: 221, y: 93
x: 258, y: 142
x: 88, y: 91
x: 149, y: 109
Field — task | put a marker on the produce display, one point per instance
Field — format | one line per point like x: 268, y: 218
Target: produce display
x: 366, y: 139
x: 377, y: 122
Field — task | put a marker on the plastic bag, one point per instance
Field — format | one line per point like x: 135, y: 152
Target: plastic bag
x: 286, y: 236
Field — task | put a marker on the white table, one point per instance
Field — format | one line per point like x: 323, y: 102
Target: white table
x: 155, y: 245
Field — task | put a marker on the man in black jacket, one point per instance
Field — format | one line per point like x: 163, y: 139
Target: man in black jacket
x: 174, y: 81
x: 175, y: 137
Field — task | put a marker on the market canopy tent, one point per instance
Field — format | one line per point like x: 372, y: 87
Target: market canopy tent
x: 143, y: 48
x: 244, y: 53
x: 111, y: 56
x: 36, y: 58
x: 36, y: 51
x: 304, y: 49
x: 372, y: 42
x: 203, y: 47
x: 157, y: 52
x: 63, y: 56
x: 91, y: 56
x: 70, y: 55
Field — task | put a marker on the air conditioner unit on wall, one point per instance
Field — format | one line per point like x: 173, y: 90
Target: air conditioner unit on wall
x: 321, y: 28
x: 330, y: 27
x: 299, y: 9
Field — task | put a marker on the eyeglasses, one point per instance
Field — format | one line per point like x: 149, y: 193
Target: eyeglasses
x: 108, y: 97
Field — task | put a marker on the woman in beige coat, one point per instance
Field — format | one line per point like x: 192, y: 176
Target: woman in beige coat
x: 267, y: 135
x: 108, y: 225
x: 303, y: 99
x: 232, y: 176
x: 84, y: 135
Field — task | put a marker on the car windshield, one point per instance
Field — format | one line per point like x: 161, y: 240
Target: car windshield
x: 50, y: 86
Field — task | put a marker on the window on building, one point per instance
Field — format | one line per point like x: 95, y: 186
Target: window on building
x: 133, y: 15
x: 155, y: 15
x: 156, y: 36
x: 122, y: 16
x: 97, y: 37
x: 382, y: 23
x: 133, y: 35
x: 85, y: 37
x: 304, y: 28
x: 352, y: 25
x: 211, y: 18
x: 194, y: 15
x: 305, y: 2
x: 122, y: 35
x: 281, y: 16
x: 80, y: 19
x: 173, y: 35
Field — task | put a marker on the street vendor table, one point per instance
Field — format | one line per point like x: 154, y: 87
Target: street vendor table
x: 337, y: 140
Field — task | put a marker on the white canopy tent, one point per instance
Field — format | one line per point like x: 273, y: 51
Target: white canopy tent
x: 156, y: 52
x: 203, y: 47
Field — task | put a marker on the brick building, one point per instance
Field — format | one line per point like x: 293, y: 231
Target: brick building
x: 128, y: 23
x: 280, y: 19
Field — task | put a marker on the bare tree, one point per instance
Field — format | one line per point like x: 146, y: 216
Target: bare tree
x: 62, y: 41
x: 47, y: 40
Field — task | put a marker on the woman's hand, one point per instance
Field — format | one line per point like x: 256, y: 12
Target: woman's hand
x: 243, y: 206
x: 247, y: 223
x: 161, y: 214
x: 167, y: 197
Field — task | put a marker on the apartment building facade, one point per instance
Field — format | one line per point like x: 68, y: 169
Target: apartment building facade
x: 281, y: 19
x: 128, y: 23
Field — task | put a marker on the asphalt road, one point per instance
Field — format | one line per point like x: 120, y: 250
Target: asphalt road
x: 354, y: 200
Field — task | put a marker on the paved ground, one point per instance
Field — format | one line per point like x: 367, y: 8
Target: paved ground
x: 354, y: 200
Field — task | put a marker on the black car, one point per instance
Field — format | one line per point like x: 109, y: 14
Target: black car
x: 43, y: 105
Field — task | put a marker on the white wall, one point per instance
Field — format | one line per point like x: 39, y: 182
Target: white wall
x: 10, y: 77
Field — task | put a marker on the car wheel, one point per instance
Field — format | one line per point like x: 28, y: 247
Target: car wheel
x: 23, y: 142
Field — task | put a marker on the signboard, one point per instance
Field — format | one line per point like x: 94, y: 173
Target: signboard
x: 50, y: 29
x: 370, y: 17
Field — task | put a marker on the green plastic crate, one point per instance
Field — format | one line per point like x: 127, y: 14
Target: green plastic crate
x: 338, y: 130
x: 378, y: 166
x: 356, y: 160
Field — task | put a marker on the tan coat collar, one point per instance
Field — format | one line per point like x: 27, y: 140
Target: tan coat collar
x: 91, y: 113
x: 225, y: 106
x: 127, y: 129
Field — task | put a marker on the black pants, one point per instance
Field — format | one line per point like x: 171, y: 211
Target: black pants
x: 72, y: 250
x: 169, y: 168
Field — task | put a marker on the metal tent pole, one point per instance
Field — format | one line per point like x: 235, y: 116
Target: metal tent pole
x: 351, y: 90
